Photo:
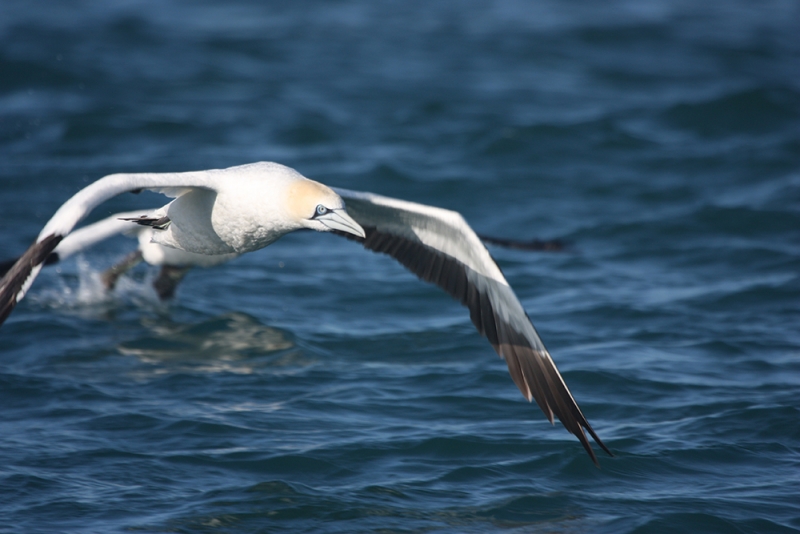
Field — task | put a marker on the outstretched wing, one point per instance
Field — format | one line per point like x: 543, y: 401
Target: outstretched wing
x: 440, y: 247
x: 42, y: 252
x: 21, y: 275
x: 88, y: 236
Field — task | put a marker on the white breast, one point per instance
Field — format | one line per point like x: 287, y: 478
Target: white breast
x: 190, y: 228
x: 247, y: 212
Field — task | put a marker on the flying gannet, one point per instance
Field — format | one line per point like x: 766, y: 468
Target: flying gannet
x: 245, y: 208
x: 175, y: 263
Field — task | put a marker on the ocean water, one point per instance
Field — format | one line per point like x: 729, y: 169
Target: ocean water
x: 316, y: 387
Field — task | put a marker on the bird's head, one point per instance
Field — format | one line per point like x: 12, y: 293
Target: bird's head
x: 317, y: 207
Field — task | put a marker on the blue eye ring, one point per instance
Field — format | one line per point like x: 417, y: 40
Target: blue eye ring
x: 321, y: 210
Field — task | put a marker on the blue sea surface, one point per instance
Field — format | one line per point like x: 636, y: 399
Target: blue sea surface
x: 313, y: 386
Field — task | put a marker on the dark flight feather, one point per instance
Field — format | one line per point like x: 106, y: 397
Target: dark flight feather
x: 530, y: 370
x: 21, y: 270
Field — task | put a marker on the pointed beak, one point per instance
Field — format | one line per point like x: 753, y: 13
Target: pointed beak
x: 339, y: 220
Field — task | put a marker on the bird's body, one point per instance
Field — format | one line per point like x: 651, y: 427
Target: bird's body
x: 214, y: 211
x: 245, y: 208
x: 174, y: 263
x: 157, y: 254
x: 120, y: 223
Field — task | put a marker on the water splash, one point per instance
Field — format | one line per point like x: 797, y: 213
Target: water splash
x: 83, y: 292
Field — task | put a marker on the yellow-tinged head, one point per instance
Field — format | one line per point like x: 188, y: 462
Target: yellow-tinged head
x: 318, y: 207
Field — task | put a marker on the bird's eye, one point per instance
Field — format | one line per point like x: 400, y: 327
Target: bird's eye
x: 321, y: 210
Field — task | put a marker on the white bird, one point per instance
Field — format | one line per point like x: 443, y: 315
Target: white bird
x: 245, y: 208
x: 175, y: 263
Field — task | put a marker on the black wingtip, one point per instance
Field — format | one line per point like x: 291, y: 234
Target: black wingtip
x: 586, y: 445
x: 20, y: 271
x: 550, y: 245
x: 6, y: 265
x: 592, y: 455
x: 579, y: 426
x: 599, y: 441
